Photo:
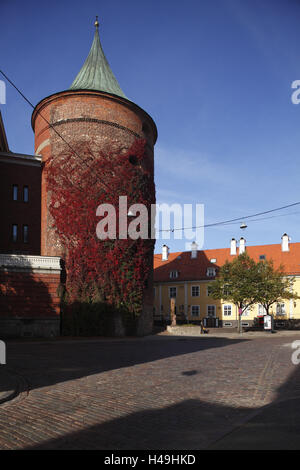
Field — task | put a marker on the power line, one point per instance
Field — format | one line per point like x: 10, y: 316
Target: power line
x: 49, y: 124
x: 162, y: 230
x: 267, y: 218
x: 238, y: 219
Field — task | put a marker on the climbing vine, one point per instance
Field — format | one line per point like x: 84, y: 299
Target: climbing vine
x: 113, y: 273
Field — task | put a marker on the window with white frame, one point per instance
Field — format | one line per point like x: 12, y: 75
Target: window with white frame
x: 195, y: 291
x: 211, y: 272
x: 227, y: 310
x: 246, y: 312
x: 211, y: 311
x: 172, y: 292
x: 208, y: 291
x: 173, y: 274
x: 195, y: 310
x: 226, y: 290
x: 280, y: 308
x: 261, y: 310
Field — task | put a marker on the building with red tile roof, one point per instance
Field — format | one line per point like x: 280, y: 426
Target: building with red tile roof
x: 186, y: 276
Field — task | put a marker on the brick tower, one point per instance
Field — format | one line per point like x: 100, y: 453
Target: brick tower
x: 93, y: 109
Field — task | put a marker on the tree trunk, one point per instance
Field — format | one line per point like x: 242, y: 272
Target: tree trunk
x: 240, y: 329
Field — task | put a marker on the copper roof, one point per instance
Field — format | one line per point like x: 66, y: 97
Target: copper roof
x: 96, y: 73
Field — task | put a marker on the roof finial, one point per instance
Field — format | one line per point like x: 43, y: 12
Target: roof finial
x: 96, y: 23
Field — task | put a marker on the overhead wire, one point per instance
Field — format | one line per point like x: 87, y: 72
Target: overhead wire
x: 225, y: 222
x: 49, y: 123
x: 214, y: 224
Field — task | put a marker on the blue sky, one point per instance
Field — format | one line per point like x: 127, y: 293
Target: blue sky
x: 216, y: 78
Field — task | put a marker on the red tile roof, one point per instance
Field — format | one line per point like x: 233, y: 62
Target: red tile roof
x: 195, y: 269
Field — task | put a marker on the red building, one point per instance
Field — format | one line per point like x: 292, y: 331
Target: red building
x: 29, y: 304
x: 20, y: 196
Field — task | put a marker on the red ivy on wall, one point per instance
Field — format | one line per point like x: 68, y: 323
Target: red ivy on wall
x: 111, y: 271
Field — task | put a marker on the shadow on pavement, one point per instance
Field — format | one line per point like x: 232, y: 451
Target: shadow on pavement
x: 194, y: 424
x: 275, y: 427
x: 190, y: 424
x: 49, y: 363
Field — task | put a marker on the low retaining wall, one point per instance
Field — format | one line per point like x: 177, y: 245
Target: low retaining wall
x: 29, y: 301
x: 184, y: 330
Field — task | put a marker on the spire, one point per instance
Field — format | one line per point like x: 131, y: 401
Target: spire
x: 96, y: 73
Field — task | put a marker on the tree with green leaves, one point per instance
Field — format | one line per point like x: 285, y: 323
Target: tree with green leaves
x: 245, y: 283
x: 274, y: 286
x: 237, y: 282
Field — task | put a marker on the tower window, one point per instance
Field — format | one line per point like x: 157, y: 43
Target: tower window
x: 133, y: 159
x: 25, y: 194
x: 15, y: 233
x: 145, y: 129
x: 15, y: 192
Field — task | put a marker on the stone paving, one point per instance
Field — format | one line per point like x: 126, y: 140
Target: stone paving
x: 160, y: 392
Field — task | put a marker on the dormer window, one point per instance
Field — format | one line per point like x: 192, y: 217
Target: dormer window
x: 173, y: 274
x: 262, y: 257
x: 211, y: 272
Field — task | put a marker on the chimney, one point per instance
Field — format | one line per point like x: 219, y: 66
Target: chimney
x: 233, y: 246
x: 194, y: 248
x: 285, y: 239
x: 165, y: 253
x: 242, y: 245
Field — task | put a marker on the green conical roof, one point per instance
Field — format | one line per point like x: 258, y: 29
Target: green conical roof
x: 96, y: 73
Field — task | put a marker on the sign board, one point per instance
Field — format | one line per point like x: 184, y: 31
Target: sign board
x: 267, y: 322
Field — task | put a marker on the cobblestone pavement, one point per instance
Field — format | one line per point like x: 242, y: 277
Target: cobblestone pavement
x: 159, y: 392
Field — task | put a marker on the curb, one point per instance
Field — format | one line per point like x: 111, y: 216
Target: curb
x: 17, y: 386
x: 243, y: 422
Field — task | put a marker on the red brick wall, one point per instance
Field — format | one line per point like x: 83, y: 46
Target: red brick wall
x: 19, y: 212
x: 105, y: 121
x: 29, y: 294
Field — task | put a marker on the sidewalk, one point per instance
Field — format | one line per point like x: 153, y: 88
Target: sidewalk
x: 275, y: 427
x: 226, y: 333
